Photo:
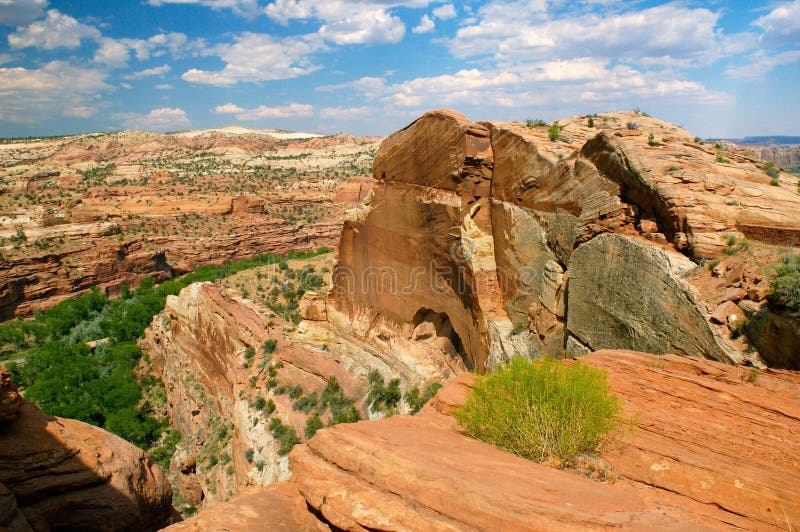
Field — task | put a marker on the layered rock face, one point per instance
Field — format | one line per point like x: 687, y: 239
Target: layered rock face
x: 785, y: 156
x: 207, y: 348
x: 422, y: 244
x: 722, y: 455
x: 34, y: 282
x: 63, y: 474
x: 523, y: 245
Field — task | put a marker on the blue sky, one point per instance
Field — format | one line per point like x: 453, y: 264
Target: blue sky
x: 720, y: 69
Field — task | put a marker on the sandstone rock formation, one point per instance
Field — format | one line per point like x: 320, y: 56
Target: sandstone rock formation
x: 40, y: 280
x: 64, y: 474
x: 198, y: 346
x: 279, y: 507
x: 523, y: 245
x: 723, y: 454
x: 787, y: 156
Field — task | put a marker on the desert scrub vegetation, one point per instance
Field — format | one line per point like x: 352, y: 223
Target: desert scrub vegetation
x: 97, y: 176
x: 554, y: 131
x: 543, y: 410
x: 785, y: 286
x: 416, y: 399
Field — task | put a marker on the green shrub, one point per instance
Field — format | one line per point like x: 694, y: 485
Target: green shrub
x: 383, y: 397
x: 554, y: 131
x: 269, y: 347
x: 285, y: 434
x: 785, y: 286
x: 306, y: 403
x: 342, y: 408
x: 541, y: 410
x: 590, y: 122
x: 313, y: 424
x: 536, y: 122
x: 417, y: 400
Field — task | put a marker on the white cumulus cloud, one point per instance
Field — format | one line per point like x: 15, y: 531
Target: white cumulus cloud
x: 148, y: 72
x: 112, y: 53
x: 781, y: 25
x: 31, y: 94
x: 522, y: 31
x: 445, y: 12
x: 426, y: 25
x: 761, y: 64
x: 20, y: 12
x: 376, y: 26
x: 289, y: 110
x: 256, y: 57
x: 57, y: 30
x: 163, y: 119
x: 80, y: 111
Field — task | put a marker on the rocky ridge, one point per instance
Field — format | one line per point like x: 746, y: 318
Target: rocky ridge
x: 477, y: 243
x: 216, y: 397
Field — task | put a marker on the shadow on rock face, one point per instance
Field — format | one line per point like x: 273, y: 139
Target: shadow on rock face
x: 63, y: 474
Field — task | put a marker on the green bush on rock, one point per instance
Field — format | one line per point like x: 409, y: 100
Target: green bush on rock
x: 785, y: 285
x: 541, y: 410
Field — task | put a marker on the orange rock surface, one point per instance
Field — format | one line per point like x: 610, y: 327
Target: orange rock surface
x: 279, y: 507
x: 705, y: 446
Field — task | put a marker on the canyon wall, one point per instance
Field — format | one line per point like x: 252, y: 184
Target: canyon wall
x: 108, y: 209
x: 224, y: 389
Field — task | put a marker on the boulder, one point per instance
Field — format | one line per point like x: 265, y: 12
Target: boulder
x: 313, y: 306
x: 480, y: 222
x: 624, y: 293
x: 723, y: 313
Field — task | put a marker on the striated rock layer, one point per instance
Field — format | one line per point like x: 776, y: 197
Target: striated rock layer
x: 709, y: 447
x: 506, y: 243
x: 63, y: 474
